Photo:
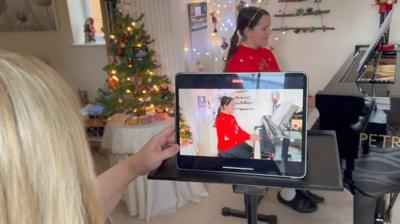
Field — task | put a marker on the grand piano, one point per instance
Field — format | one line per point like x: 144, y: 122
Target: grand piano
x: 362, y: 104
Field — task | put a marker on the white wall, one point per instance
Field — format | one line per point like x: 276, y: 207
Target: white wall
x: 162, y: 23
x: 82, y: 64
x: 321, y: 54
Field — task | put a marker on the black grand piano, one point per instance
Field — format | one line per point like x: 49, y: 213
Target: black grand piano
x: 362, y: 104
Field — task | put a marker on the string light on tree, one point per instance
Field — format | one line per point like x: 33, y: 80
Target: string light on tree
x: 130, y: 64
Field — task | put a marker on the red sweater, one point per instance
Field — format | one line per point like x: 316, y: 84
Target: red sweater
x: 247, y: 59
x: 385, y: 8
x: 229, y: 133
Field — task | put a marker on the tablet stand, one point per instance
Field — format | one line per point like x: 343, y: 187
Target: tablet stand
x: 252, y: 197
x: 322, y: 152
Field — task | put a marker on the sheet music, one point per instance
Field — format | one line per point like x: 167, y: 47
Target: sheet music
x: 382, y: 103
x: 257, y: 150
x: 384, y: 27
x: 312, y: 117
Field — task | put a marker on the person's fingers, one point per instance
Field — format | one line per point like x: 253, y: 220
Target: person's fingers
x: 170, y: 151
x: 171, y: 139
x: 167, y: 131
x: 162, y: 137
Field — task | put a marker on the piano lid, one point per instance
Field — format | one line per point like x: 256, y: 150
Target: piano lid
x: 369, y: 71
x: 379, y: 37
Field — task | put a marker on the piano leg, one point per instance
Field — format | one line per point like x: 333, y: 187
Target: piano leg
x: 368, y: 210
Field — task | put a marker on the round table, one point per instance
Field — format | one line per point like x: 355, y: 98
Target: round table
x: 147, y: 198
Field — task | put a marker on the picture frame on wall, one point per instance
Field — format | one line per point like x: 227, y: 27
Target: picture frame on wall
x: 27, y: 15
x: 197, y: 16
x: 202, y: 101
x: 198, y: 30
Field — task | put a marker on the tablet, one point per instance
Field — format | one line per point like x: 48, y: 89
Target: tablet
x: 244, y: 123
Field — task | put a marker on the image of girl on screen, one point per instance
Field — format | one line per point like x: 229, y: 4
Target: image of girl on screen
x: 231, y: 137
x: 248, y: 53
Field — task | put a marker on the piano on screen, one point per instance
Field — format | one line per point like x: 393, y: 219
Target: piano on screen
x: 277, y: 136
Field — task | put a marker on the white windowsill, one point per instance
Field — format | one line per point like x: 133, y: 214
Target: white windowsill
x: 99, y: 42
x: 94, y: 44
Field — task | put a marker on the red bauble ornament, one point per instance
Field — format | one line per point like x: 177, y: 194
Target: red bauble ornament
x: 120, y: 49
x: 112, y: 84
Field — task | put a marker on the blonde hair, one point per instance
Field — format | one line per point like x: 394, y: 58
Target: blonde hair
x: 46, y: 170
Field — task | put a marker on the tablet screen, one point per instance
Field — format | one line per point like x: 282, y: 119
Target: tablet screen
x: 247, y: 122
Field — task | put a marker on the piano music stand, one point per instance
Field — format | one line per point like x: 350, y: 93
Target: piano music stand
x: 322, y: 152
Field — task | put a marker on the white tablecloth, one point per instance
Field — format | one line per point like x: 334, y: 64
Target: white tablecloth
x: 147, y: 198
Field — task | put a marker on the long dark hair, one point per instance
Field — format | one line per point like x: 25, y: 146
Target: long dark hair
x: 225, y: 100
x: 248, y: 17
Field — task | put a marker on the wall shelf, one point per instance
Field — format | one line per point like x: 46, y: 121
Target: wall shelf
x: 312, y: 13
x: 303, y: 29
x: 292, y: 0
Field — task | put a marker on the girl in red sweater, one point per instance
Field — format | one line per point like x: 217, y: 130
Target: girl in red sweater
x: 231, y: 137
x: 247, y: 53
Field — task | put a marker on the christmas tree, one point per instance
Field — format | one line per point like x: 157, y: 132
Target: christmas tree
x: 185, y: 134
x: 133, y: 87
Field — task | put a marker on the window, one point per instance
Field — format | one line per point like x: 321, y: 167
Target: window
x: 79, y: 11
x: 94, y: 10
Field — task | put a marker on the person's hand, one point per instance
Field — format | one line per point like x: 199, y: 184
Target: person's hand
x: 254, y: 137
x: 156, y: 150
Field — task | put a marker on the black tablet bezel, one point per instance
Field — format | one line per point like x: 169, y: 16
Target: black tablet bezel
x: 293, y: 80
